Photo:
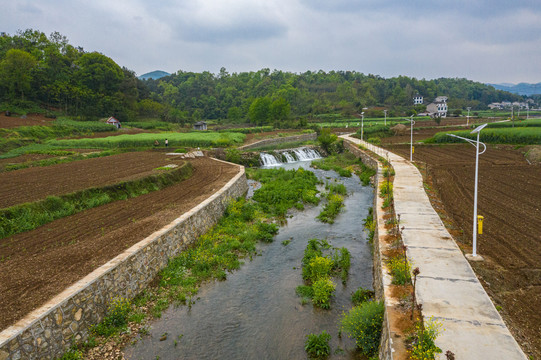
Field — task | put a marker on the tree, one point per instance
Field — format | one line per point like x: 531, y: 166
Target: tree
x: 326, y: 138
x: 279, y: 109
x: 16, y: 72
x: 259, y: 112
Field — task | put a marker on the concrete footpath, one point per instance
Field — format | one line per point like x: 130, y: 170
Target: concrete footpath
x: 447, y: 287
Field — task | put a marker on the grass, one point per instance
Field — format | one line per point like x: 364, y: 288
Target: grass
x: 507, y: 135
x: 289, y: 189
x: 332, y: 208
x: 319, y: 264
x: 364, y: 324
x: 28, y: 216
x: 193, y: 139
x: 317, y: 346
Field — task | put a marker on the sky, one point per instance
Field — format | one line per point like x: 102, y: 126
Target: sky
x: 490, y: 41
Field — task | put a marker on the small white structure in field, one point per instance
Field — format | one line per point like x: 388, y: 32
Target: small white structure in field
x: 114, y: 122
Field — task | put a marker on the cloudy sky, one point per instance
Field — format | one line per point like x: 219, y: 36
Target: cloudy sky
x: 493, y: 41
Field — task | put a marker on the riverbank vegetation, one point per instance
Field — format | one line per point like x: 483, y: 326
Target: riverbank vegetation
x: 319, y: 264
x: 218, y: 252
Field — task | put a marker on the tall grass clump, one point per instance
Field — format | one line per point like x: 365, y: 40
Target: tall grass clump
x: 364, y: 324
x: 289, y: 188
x: 317, y: 346
x: 319, y: 264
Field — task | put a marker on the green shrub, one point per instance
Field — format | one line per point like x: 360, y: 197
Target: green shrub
x: 331, y: 209
x: 424, y: 347
x: 317, y: 346
x: 386, y: 188
x: 323, y: 290
x: 400, y: 270
x: 116, y: 319
x: 361, y: 295
x: 364, y: 323
x: 319, y: 267
x: 72, y: 354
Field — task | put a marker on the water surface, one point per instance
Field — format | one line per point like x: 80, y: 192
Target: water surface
x: 255, y: 313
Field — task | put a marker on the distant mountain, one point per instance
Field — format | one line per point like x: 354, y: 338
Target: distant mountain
x: 154, y: 75
x: 520, y: 89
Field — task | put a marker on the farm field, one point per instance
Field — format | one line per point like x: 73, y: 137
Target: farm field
x: 510, y: 201
x: 37, y: 265
x: 27, y: 185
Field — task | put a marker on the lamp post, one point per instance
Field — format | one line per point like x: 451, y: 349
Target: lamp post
x: 477, y: 153
x: 362, y: 125
x: 385, y: 112
x: 411, y: 136
x: 468, y: 118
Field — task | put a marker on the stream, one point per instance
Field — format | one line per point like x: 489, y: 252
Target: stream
x: 255, y: 313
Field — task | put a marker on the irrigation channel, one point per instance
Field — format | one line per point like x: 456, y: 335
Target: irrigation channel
x: 255, y: 313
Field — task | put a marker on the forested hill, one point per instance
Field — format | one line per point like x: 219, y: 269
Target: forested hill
x: 40, y: 72
x: 228, y: 95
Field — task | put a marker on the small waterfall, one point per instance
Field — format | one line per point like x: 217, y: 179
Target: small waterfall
x: 305, y: 154
x: 269, y: 160
x: 289, y: 157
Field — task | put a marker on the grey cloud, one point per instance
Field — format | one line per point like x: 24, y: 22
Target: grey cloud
x: 243, y: 30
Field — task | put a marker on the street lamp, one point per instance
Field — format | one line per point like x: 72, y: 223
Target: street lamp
x: 385, y: 112
x: 362, y: 125
x: 468, y: 118
x: 477, y: 153
x: 411, y: 136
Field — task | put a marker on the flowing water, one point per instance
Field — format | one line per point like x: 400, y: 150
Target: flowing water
x: 291, y: 156
x: 255, y: 313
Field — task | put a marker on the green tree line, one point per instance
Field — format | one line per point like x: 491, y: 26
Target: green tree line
x: 50, y: 72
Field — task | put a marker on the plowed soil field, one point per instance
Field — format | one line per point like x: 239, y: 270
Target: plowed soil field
x: 39, y: 264
x: 31, y: 184
x: 509, y: 198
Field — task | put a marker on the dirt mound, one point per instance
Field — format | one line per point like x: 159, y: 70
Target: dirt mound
x: 533, y: 154
x: 39, y: 264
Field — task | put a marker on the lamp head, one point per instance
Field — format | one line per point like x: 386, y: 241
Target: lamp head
x: 478, y: 129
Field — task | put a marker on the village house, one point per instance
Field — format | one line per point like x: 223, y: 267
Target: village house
x: 114, y: 122
x: 200, y: 125
x: 418, y: 100
x: 438, y: 107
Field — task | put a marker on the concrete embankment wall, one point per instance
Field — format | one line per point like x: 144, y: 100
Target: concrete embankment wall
x: 47, y: 332
x: 280, y: 140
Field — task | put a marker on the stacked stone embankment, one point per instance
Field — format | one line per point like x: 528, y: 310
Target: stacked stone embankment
x: 48, y: 332
x: 279, y: 140
x: 447, y: 287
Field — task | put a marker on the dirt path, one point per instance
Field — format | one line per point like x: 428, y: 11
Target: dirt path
x: 31, y: 184
x: 510, y: 200
x: 39, y: 264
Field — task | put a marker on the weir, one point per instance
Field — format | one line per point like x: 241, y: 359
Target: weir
x: 290, y: 156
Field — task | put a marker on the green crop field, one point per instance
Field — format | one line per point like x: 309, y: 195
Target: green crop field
x: 521, y: 123
x: 508, y: 135
x: 193, y: 139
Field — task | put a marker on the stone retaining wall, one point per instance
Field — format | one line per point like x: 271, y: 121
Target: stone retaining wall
x: 48, y: 332
x: 381, y: 280
x: 280, y: 140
